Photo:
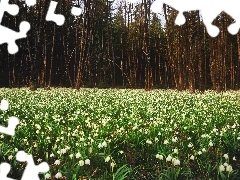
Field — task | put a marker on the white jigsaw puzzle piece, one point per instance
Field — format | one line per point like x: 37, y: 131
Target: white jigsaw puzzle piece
x: 76, y: 11
x: 59, y: 19
x: 12, y: 124
x: 4, y: 170
x: 4, y: 105
x: 210, y: 9
x: 31, y: 171
x: 12, y: 9
x: 7, y: 35
x: 30, y: 2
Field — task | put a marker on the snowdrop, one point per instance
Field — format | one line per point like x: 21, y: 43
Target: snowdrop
x: 107, y: 159
x: 159, y: 157
x: 165, y: 142
x: 192, y: 157
x: 47, y: 176
x: 149, y: 142
x: 175, y: 151
x: 225, y: 156
x: 169, y: 158
x: 221, y: 168
x: 87, y: 161
x: 176, y: 162
x: 78, y: 155
x: 71, y: 156
x: 229, y: 168
x: 58, y: 175
x: 57, y: 162
x: 52, y: 155
x: 210, y: 144
x: 190, y: 145
x: 81, y: 162
x: 104, y: 144
x: 10, y: 157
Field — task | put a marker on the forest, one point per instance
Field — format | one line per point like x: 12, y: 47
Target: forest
x: 120, y: 46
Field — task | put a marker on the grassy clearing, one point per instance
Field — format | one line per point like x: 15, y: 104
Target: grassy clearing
x: 109, y: 134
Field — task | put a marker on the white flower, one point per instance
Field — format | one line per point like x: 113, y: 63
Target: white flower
x: 192, y: 157
x: 63, y: 151
x: 100, y: 145
x: 57, y: 162
x: 190, y: 145
x: 149, y: 142
x: 210, y: 144
x: 175, y: 151
x: 16, y: 149
x: 234, y: 158
x: 225, y: 164
x: 39, y: 160
x: 174, y: 139
x: 229, y: 168
x: 2, y: 136
x: 169, y: 158
x: 225, y: 156
x: 10, y: 157
x: 199, y: 152
x: 104, y: 144
x: 203, y: 150
x: 156, y: 139
x: 112, y: 164
x: 58, y: 175
x: 165, y: 142
x: 121, y: 152
x: 52, y: 155
x: 107, y: 159
x: 221, y: 168
x: 176, y: 162
x: 78, y: 155
x: 71, y: 156
x: 159, y: 157
x: 81, y: 162
x: 47, y: 176
x: 159, y: 134
x: 87, y: 161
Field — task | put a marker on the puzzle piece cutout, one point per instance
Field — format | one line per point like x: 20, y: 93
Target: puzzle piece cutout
x: 76, y: 11
x: 4, y: 105
x: 30, y: 2
x: 12, y: 124
x: 7, y: 35
x: 4, y: 170
x: 12, y: 9
x: 31, y: 171
x: 59, y: 19
x: 210, y: 9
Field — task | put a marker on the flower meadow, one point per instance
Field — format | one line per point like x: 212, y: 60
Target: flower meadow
x: 114, y: 134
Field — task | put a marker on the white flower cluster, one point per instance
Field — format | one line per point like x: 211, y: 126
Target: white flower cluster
x: 31, y: 171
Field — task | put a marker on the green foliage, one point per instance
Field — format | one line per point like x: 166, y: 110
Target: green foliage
x: 145, y: 133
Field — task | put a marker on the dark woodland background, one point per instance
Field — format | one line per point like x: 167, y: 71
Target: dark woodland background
x: 122, y: 47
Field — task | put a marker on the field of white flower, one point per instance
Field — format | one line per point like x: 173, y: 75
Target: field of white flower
x: 112, y: 133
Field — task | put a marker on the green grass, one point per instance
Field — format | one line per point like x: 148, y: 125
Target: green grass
x: 129, y: 126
